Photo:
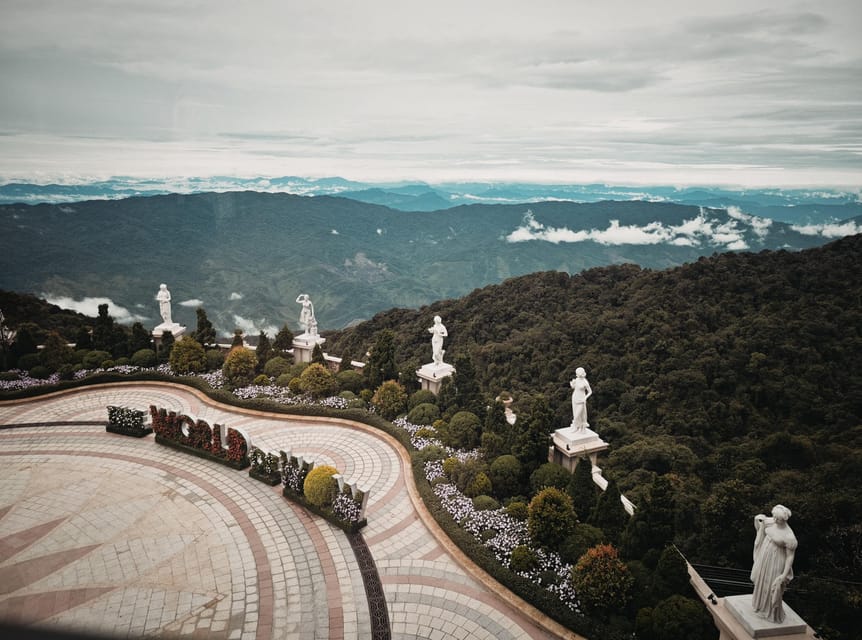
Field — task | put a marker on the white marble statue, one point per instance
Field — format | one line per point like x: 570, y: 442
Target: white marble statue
x: 306, y: 317
x: 774, y: 550
x: 164, y: 298
x: 581, y: 391
x: 438, y: 332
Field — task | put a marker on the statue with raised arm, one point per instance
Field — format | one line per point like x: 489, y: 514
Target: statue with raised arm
x: 580, y: 392
x: 306, y: 317
x: 438, y: 332
x: 774, y: 550
x: 164, y: 298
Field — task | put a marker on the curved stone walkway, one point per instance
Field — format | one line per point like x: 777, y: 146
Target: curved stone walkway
x: 109, y: 534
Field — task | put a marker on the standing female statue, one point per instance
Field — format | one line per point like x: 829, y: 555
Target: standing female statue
x: 306, y: 316
x: 774, y: 550
x: 438, y: 332
x: 581, y: 392
x: 164, y: 298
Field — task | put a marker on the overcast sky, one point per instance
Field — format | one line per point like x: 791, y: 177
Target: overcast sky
x: 738, y: 92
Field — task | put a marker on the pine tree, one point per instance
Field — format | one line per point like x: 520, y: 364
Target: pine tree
x: 381, y: 364
x: 237, y: 339
x: 609, y: 515
x: 165, y: 348
x: 84, y: 339
x: 283, y: 341
x: 582, y: 489
x: 205, y: 332
x: 140, y: 338
x: 264, y: 350
x: 468, y: 397
x: 317, y: 355
x: 535, y: 439
x: 103, y: 330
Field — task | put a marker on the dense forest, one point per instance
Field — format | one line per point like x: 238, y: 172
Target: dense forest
x: 736, y: 376
x: 723, y: 387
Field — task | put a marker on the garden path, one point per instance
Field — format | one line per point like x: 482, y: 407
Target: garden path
x: 104, y: 533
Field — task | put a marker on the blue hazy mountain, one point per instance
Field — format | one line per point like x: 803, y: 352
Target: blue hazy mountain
x: 799, y: 206
x: 246, y: 255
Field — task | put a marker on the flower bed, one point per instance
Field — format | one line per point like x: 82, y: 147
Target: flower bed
x: 347, y: 507
x: 197, y: 438
x: 127, y: 422
x: 264, y: 467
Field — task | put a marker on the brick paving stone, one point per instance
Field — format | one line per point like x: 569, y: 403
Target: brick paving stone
x: 187, y: 547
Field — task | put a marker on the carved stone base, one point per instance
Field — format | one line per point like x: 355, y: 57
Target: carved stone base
x: 303, y: 346
x: 757, y: 627
x: 431, y: 375
x: 570, y: 445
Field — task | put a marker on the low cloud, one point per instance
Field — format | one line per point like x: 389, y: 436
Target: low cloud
x: 335, y: 232
x: 90, y: 306
x: 690, y: 233
x: 829, y: 230
x: 251, y: 327
x: 235, y: 296
x: 194, y: 302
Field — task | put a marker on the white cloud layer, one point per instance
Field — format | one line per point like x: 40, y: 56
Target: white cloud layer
x: 235, y: 296
x: 690, y: 233
x: 834, y: 230
x: 90, y: 306
x: 194, y: 302
x: 251, y: 327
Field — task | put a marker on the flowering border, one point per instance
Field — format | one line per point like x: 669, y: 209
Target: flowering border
x: 184, y: 433
x: 127, y: 422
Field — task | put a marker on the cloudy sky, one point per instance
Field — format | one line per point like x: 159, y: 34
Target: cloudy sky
x: 738, y: 92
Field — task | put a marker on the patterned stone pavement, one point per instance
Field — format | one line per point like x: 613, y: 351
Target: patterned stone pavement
x: 104, y: 533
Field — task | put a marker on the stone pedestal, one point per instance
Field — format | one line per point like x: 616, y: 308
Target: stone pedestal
x: 757, y: 627
x: 175, y: 329
x: 570, y: 445
x: 303, y: 346
x: 431, y: 375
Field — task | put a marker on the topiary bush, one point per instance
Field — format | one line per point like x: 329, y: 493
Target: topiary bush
x: 215, y: 359
x: 262, y: 380
x: 485, y: 503
x: 523, y: 559
x: 277, y: 366
x: 319, y: 486
x: 517, y: 510
x: 480, y: 485
x: 350, y: 381
x: 424, y: 413
x: 423, y: 396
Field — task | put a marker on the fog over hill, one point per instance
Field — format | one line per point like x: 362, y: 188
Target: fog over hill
x: 245, y: 256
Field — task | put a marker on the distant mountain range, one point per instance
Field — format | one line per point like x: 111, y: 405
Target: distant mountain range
x: 799, y: 206
x: 245, y: 256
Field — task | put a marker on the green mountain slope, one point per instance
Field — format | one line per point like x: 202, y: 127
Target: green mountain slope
x: 250, y: 254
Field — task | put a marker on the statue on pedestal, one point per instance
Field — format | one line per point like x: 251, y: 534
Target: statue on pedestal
x: 774, y: 550
x: 438, y: 332
x: 164, y: 298
x: 581, y: 391
x: 306, y: 317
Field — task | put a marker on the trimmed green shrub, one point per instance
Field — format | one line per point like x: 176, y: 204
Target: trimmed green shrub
x: 552, y: 517
x: 480, y: 485
x: 317, y: 381
x: 485, y: 503
x: 390, y: 399
x: 424, y: 413
x: 283, y: 380
x: 423, y: 396
x: 523, y: 559
x: 215, y: 359
x: 582, y: 538
x: 239, y: 366
x: 517, y: 510
x: 277, y: 366
x: 188, y: 356
x: 319, y: 486
x: 505, y: 475
x: 30, y: 360
x: 550, y: 475
x: 40, y: 372
x: 261, y: 380
x: 350, y: 380
x: 93, y: 359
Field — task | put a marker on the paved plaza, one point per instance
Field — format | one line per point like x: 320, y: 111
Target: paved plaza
x: 108, y: 534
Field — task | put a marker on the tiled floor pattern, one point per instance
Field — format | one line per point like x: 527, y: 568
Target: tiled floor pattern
x: 111, y: 534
